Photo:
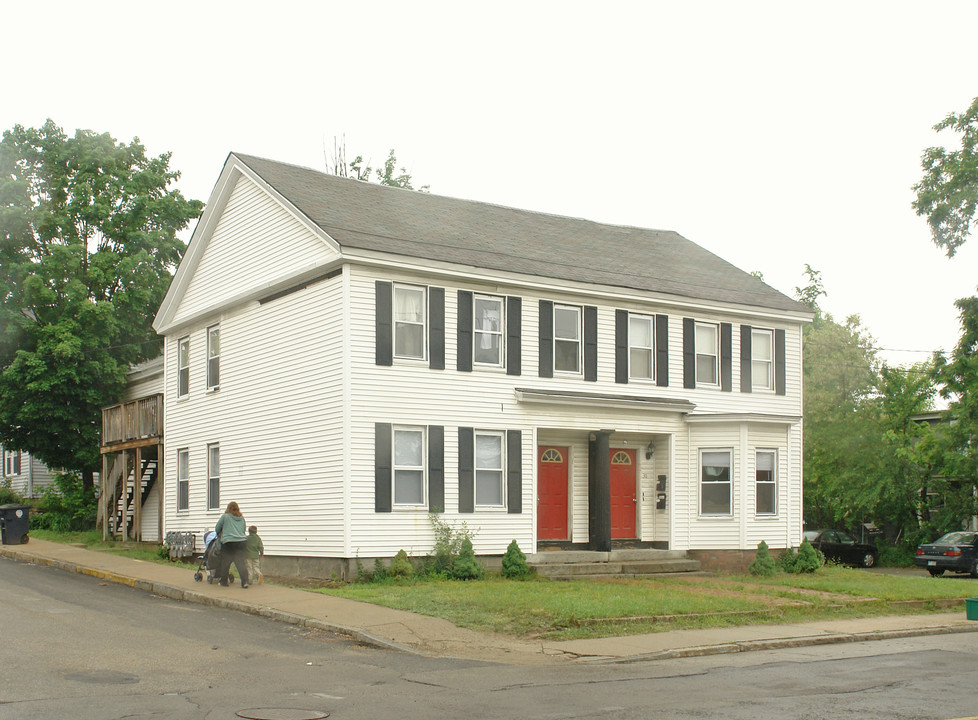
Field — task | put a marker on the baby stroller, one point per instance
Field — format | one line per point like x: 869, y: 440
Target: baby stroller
x: 211, y: 559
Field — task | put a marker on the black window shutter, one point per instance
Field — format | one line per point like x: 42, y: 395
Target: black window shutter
x: 662, y: 350
x: 514, y: 471
x: 382, y: 467
x: 385, y: 323
x: 689, y: 353
x: 436, y: 328
x: 621, y: 346
x: 466, y: 470
x: 464, y: 324
x: 726, y: 357
x: 546, y: 339
x: 590, y: 343
x: 514, y: 328
x: 780, y: 384
x: 436, y: 468
x: 746, y: 350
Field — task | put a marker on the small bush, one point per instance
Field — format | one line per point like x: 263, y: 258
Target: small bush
x: 401, y: 567
x: 380, y: 571
x: 515, y: 566
x: 466, y: 567
x: 806, y: 560
x: 8, y: 496
x: 448, y: 546
x: 763, y: 562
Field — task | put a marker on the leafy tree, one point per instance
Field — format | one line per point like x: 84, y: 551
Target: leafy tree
x: 88, y: 241
x: 948, y: 192
x: 359, y: 169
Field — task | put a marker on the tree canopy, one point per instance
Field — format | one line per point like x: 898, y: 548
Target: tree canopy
x: 88, y: 243
x: 948, y: 192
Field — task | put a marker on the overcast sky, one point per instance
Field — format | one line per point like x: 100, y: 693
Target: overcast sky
x: 774, y: 134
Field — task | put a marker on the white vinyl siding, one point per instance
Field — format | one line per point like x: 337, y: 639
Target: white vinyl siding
x: 641, y: 353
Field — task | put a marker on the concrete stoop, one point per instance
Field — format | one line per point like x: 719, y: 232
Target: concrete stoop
x: 625, y: 563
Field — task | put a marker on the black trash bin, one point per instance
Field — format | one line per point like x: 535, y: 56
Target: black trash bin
x: 15, y: 523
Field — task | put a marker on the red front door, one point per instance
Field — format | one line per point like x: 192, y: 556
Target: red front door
x: 623, y: 500
x: 552, y: 493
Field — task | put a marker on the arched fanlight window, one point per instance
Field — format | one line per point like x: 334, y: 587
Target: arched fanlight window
x: 550, y: 455
x: 621, y: 458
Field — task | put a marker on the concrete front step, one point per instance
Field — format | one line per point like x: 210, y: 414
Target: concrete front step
x: 582, y: 564
x: 590, y: 556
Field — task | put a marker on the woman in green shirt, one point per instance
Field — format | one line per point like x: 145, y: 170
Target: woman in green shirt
x: 234, y: 544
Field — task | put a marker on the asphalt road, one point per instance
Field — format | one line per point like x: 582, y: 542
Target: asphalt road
x: 75, y: 647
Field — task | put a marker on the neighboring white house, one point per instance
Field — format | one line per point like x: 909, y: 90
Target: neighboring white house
x: 24, y: 473
x: 342, y: 358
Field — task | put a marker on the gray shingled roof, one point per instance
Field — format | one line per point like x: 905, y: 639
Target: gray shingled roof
x: 433, y: 227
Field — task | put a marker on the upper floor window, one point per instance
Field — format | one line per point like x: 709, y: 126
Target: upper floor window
x: 567, y: 338
x: 487, y: 330
x: 213, y: 477
x: 707, y: 354
x: 715, y: 483
x: 409, y: 466
x: 489, y: 469
x: 183, y: 366
x: 762, y: 359
x: 766, y: 485
x: 213, y: 357
x: 640, y: 351
x: 409, y: 321
x: 183, y: 479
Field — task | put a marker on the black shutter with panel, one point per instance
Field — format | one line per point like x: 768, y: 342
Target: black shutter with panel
x: 514, y: 328
x: 466, y: 470
x: 436, y: 328
x: 780, y: 384
x: 436, y: 468
x: 384, y: 342
x: 621, y: 346
x: 464, y: 334
x: 689, y: 353
x: 726, y: 357
x: 546, y: 339
x: 746, y: 355
x: 514, y: 471
x: 662, y: 350
x: 590, y: 343
x: 383, y: 472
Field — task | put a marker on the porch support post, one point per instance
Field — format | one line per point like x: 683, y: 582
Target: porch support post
x: 599, y: 491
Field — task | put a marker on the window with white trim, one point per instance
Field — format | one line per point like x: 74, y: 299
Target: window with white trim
x: 716, y: 494
x: 409, y: 466
x: 707, y: 354
x: 487, y: 330
x: 214, y: 357
x: 766, y: 482
x: 11, y: 462
x: 641, y: 331
x: 183, y: 367
x: 762, y: 359
x: 567, y: 339
x: 213, y: 477
x: 489, y: 463
x: 183, y: 479
x: 409, y: 321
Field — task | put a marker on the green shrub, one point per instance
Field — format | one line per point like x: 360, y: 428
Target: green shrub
x: 466, y: 567
x: 8, y: 496
x: 896, y: 556
x: 806, y: 560
x: 400, y: 567
x: 763, y: 562
x: 448, y: 546
x: 65, y: 506
x: 515, y: 566
x: 380, y: 571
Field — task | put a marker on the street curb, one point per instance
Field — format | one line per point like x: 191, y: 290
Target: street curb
x: 176, y: 593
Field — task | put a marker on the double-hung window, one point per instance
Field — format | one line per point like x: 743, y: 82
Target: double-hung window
x: 183, y: 367
x: 487, y: 330
x: 213, y: 477
x: 11, y: 462
x: 567, y: 339
x: 715, y: 482
x: 707, y: 354
x: 409, y: 466
x: 489, y: 489
x: 640, y: 352
x: 183, y: 479
x: 214, y: 357
x: 766, y: 484
x: 762, y: 359
x: 409, y: 321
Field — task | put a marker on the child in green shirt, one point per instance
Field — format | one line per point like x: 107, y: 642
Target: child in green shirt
x: 254, y: 553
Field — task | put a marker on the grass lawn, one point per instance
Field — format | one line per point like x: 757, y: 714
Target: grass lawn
x: 602, y: 608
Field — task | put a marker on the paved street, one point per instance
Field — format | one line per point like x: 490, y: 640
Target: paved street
x: 76, y: 646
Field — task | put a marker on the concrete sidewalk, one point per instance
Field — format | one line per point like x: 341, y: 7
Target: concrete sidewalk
x: 421, y: 634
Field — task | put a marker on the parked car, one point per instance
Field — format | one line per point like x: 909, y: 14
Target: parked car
x: 954, y: 551
x: 841, y: 547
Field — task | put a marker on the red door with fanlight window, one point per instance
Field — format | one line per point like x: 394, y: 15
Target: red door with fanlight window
x: 623, y: 500
x: 552, y: 480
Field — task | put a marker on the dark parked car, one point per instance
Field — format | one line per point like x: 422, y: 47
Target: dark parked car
x: 954, y: 551
x: 841, y: 547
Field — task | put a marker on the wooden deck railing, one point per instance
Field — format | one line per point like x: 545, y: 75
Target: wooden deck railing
x: 140, y: 419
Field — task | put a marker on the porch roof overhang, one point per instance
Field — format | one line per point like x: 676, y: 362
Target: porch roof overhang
x: 631, y: 402
x: 743, y: 418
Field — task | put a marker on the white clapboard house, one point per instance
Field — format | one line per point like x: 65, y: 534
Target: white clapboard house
x: 344, y: 358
